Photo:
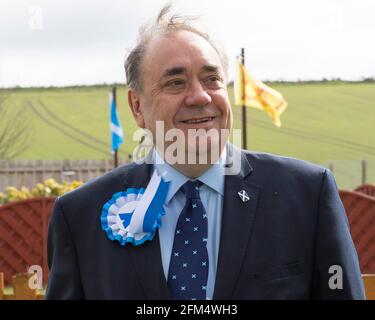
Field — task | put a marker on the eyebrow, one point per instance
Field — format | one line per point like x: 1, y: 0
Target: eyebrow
x: 210, y: 68
x: 181, y: 70
x: 174, y: 71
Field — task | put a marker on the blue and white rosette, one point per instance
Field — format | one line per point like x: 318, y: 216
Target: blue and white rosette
x: 134, y: 215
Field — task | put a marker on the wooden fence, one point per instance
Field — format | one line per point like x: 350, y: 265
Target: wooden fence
x: 369, y: 282
x: 368, y: 189
x: 23, y: 236
x: 28, y: 173
x: 363, y: 165
x: 22, y: 291
x: 360, y: 209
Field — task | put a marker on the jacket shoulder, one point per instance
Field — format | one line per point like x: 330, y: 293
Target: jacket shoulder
x: 286, y: 171
x: 273, y: 162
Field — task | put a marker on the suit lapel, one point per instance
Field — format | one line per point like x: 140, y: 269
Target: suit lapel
x: 237, y: 225
x: 147, y: 257
x: 148, y: 265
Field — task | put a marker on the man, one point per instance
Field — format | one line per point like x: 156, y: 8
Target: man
x: 273, y: 229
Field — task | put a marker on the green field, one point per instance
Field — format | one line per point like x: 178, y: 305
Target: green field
x: 324, y: 123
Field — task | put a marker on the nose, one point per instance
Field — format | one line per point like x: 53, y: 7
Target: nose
x: 197, y: 95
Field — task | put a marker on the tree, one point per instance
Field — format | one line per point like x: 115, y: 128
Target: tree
x: 15, y: 130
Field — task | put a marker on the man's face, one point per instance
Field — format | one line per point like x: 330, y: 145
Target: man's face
x: 183, y: 86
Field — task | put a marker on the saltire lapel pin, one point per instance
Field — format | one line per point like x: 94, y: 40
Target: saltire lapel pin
x: 243, y: 195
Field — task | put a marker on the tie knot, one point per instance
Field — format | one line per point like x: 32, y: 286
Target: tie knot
x: 191, y: 189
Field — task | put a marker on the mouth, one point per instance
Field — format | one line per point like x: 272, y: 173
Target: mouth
x: 198, y: 120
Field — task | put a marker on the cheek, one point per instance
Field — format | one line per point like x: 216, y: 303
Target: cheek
x: 161, y: 112
x: 167, y: 109
x: 163, y: 115
x: 223, y: 103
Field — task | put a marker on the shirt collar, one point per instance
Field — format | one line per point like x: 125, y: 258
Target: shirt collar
x: 213, y: 177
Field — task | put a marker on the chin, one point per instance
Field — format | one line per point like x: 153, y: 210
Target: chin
x: 204, y: 153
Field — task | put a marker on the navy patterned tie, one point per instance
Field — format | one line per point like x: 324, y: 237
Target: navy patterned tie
x: 188, y: 268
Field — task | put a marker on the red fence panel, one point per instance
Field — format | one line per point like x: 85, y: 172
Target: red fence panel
x: 368, y: 189
x: 24, y: 226
x: 360, y: 209
x: 23, y: 236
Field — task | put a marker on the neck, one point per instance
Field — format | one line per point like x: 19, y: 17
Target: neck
x: 192, y: 170
x: 196, y: 170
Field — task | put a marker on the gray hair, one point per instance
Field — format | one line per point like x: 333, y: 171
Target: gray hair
x: 164, y: 24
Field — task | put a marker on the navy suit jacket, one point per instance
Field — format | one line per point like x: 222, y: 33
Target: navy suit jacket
x: 278, y: 245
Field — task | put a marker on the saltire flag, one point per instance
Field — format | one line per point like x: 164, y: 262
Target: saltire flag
x: 253, y: 93
x: 117, y: 134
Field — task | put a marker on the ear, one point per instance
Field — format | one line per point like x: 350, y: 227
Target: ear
x: 135, y: 106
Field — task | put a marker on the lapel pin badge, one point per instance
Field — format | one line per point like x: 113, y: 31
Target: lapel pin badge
x: 244, y: 196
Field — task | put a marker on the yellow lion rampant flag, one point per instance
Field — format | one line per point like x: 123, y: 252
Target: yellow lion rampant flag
x: 253, y: 93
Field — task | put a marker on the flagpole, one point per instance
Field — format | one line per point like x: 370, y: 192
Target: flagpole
x: 244, y: 131
x: 115, y: 154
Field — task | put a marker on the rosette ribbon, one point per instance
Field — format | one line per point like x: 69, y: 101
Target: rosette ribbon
x: 134, y: 215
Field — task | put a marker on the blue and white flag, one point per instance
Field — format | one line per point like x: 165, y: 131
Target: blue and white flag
x: 133, y: 216
x: 117, y: 134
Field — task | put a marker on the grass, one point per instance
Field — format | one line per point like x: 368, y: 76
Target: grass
x: 324, y: 123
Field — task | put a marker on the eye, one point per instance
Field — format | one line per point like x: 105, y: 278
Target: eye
x: 213, y: 81
x: 214, y: 78
x: 175, y: 83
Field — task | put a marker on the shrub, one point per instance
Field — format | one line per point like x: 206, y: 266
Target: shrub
x: 50, y: 188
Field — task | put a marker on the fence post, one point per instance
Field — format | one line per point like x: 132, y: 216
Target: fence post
x: 369, y: 283
x: 79, y: 168
x: 364, y: 172
x: 1, y: 286
x: 330, y: 166
x: 21, y: 287
x: 34, y: 177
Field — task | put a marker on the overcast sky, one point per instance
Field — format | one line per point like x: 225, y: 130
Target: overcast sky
x: 67, y: 42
